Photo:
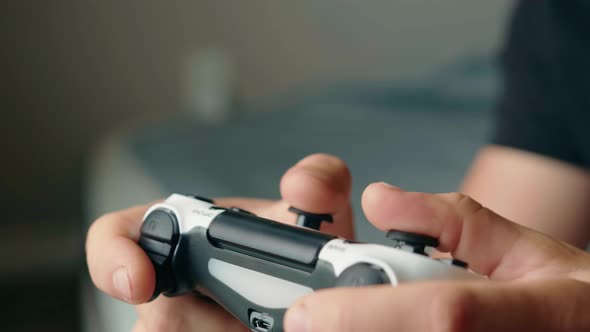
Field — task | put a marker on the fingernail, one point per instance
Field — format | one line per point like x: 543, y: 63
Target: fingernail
x: 297, y: 320
x: 390, y: 186
x: 121, y: 283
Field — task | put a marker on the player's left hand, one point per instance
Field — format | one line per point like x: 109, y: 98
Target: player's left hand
x: 119, y: 267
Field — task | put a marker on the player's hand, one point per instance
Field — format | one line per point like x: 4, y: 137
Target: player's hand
x: 537, y: 283
x: 120, y: 268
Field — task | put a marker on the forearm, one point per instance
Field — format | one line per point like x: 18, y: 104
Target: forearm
x: 538, y: 192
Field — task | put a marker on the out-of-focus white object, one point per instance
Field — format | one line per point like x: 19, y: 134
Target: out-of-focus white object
x: 209, y: 85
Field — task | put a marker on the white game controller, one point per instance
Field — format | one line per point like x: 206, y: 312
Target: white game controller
x: 256, y: 268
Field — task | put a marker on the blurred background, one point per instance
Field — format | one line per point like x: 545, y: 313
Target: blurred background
x: 110, y: 103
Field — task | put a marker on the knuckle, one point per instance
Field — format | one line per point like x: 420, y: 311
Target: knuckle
x: 468, y: 206
x: 100, y: 223
x: 104, y: 218
x: 463, y: 201
x: 94, y: 225
x: 452, y: 310
x: 455, y: 197
x: 92, y: 244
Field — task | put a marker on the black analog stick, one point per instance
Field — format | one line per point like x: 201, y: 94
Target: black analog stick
x: 311, y: 220
x: 362, y: 274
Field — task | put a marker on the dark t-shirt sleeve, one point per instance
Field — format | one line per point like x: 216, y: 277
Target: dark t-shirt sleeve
x: 533, y: 112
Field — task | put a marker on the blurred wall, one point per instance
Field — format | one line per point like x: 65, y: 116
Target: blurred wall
x: 73, y: 70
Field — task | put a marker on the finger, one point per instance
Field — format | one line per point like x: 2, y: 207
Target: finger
x: 372, y: 308
x: 117, y: 265
x: 319, y: 184
x: 187, y: 313
x: 539, y: 305
x: 556, y: 305
x: 279, y: 210
x: 261, y: 207
x: 463, y: 228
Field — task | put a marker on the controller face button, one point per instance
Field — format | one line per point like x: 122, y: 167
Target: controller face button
x: 362, y: 274
x: 159, y: 225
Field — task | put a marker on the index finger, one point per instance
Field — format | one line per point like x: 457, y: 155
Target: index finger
x: 489, y: 243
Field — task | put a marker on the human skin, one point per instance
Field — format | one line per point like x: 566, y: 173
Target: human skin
x: 535, y: 282
x: 118, y: 266
x: 539, y: 192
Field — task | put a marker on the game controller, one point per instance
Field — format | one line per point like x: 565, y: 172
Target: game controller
x: 256, y: 268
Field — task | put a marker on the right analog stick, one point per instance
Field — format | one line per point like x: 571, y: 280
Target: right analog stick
x: 362, y: 274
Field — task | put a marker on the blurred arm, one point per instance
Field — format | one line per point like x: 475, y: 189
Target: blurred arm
x: 536, y: 191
